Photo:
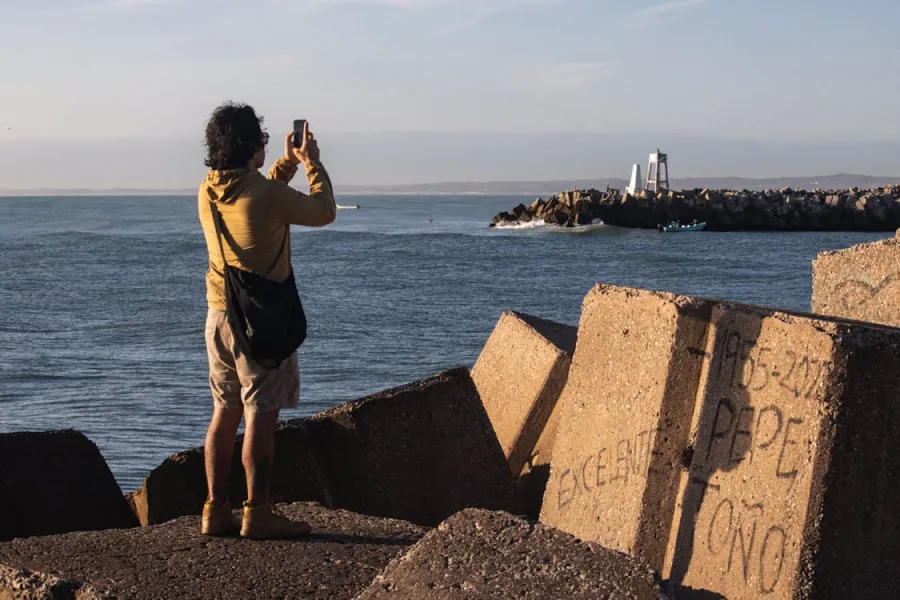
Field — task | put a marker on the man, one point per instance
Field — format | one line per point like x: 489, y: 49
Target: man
x: 256, y: 214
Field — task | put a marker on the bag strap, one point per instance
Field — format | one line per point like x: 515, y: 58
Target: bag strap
x: 216, y: 216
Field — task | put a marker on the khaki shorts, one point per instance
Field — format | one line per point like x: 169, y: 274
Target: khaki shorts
x: 235, y: 379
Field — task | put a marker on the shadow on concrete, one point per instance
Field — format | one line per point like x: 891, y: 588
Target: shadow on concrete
x: 723, y: 403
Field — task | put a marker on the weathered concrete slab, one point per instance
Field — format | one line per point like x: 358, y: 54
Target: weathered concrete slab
x: 787, y: 483
x: 795, y: 462
x: 177, y: 487
x: 520, y: 375
x: 626, y: 418
x: 341, y: 558
x: 56, y: 482
x: 482, y: 554
x: 861, y: 283
x: 420, y: 452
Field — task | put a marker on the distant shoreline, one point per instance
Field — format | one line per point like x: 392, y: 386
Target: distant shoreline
x: 515, y: 188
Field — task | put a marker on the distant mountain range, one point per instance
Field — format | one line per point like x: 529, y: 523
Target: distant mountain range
x: 839, y: 181
x: 545, y: 188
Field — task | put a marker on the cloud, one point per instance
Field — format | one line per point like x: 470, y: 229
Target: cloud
x: 662, y: 10
x: 397, y: 3
x: 459, y: 26
x: 571, y: 75
x: 886, y: 54
x: 119, y: 5
x: 482, y: 10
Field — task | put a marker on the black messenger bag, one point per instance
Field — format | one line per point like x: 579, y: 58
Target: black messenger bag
x: 266, y: 317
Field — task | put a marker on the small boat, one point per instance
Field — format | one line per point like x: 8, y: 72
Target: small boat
x: 348, y: 207
x: 675, y: 227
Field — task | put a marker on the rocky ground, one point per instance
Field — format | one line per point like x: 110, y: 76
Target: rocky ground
x: 876, y: 209
x: 474, y: 554
x: 173, y: 560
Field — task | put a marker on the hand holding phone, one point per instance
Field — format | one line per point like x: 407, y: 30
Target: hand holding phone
x: 300, y: 144
x: 300, y: 131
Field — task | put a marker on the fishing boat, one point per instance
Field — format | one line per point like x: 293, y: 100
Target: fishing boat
x: 676, y: 226
x: 348, y: 206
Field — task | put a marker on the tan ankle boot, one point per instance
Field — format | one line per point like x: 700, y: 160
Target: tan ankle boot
x: 264, y: 522
x: 217, y: 519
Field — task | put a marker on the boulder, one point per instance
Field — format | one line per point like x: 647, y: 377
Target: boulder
x: 879, y: 214
x: 501, y: 218
x: 519, y: 210
x: 394, y: 454
x: 871, y: 202
x: 340, y: 559
x: 57, y: 482
x: 520, y: 374
x: 556, y: 218
x: 861, y: 283
x: 478, y: 554
x: 583, y: 218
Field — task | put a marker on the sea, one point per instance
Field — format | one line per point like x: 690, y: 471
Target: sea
x: 102, y: 301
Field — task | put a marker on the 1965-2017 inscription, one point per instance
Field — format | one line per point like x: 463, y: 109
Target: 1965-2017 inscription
x: 753, y: 430
x: 759, y: 435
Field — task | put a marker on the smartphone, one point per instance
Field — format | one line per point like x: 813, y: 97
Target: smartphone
x: 298, y: 131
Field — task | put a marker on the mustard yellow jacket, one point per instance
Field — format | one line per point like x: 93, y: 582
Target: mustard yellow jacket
x: 257, y: 213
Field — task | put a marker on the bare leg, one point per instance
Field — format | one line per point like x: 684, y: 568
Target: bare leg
x: 220, y: 449
x: 259, y: 454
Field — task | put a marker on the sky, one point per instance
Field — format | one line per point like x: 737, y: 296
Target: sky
x: 506, y: 84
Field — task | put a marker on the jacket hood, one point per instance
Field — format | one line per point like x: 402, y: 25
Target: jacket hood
x: 226, y: 186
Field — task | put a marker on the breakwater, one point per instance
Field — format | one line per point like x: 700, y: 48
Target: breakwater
x: 728, y: 451
x: 876, y: 209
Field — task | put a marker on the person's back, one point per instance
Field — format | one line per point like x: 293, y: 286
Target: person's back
x: 254, y: 216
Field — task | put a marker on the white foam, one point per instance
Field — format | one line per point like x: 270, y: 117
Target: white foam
x: 540, y: 224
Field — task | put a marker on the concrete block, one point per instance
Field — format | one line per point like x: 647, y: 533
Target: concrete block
x: 481, y: 554
x: 420, y: 452
x: 750, y: 452
x: 626, y: 415
x: 57, y: 482
x: 342, y: 557
x: 794, y: 467
x: 861, y: 283
x: 520, y: 375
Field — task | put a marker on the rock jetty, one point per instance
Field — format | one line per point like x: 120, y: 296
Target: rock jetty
x: 787, y: 209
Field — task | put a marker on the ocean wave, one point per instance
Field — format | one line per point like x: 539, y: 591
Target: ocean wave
x: 595, y: 224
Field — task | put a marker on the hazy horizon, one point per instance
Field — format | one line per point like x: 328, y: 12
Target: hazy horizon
x: 403, y: 159
x: 114, y: 93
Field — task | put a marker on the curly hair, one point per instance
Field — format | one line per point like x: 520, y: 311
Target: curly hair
x: 233, y: 135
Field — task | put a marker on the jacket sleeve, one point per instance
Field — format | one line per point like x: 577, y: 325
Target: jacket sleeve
x: 295, y: 207
x: 282, y: 170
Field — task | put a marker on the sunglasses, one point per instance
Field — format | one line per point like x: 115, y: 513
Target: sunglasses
x: 265, y: 138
